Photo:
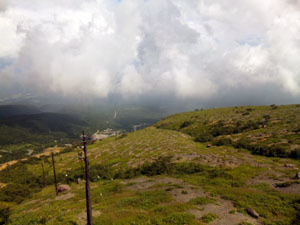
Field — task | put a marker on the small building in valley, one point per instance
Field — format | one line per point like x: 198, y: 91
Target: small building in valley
x: 99, y: 135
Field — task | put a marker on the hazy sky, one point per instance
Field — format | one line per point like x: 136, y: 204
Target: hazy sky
x: 240, y: 51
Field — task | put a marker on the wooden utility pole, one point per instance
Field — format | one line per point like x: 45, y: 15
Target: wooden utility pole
x: 87, y: 182
x: 44, y: 179
x: 54, y: 173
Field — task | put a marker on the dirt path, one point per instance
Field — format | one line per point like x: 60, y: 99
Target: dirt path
x: 46, y: 152
x: 4, y: 165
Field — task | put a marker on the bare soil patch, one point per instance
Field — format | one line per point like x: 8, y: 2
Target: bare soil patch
x: 179, y: 190
x: 81, y: 219
x: 65, y: 196
x: 145, y: 183
x: 187, y: 193
x: 292, y: 189
x: 224, y: 210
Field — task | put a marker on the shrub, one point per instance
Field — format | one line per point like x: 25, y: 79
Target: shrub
x: 295, y: 154
x: 286, y: 184
x: 96, y: 172
x: 179, y: 218
x: 209, y: 217
x: 203, y: 137
x: 101, y: 171
x: 188, y: 168
x: 202, y: 200
x: 185, y: 124
x: 15, y: 193
x: 267, y: 117
x: 220, y: 129
x: 33, y: 160
x: 18, y: 173
x: 273, y: 106
x: 222, y: 141
x: 160, y: 166
x: 4, y: 214
x: 67, y: 149
x: 145, y: 200
x: 296, y: 204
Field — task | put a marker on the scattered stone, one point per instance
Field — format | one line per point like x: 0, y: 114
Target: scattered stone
x: 79, y: 181
x: 228, y: 164
x: 298, y: 175
x: 252, y: 212
x: 63, y: 188
x: 30, y: 151
x: 289, y: 165
x: 208, y: 146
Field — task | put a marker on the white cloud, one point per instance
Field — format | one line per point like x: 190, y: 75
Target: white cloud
x: 3, y: 5
x: 192, y: 49
x: 132, y: 83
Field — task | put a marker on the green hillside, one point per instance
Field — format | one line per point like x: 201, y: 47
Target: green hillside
x: 26, y: 129
x: 161, y: 175
x: 45, y: 123
x: 24, y: 134
x: 264, y: 130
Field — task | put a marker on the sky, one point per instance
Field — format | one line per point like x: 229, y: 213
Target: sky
x: 211, y: 51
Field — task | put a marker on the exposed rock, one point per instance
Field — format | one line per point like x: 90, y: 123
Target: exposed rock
x: 252, y: 212
x: 30, y: 151
x: 298, y: 175
x: 289, y: 165
x: 63, y: 188
x: 209, y: 146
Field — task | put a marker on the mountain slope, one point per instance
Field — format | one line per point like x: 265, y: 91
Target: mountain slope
x: 265, y: 130
x: 21, y: 135
x: 156, y: 176
x: 44, y: 122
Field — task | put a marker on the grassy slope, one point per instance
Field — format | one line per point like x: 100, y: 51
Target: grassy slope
x: 24, y: 128
x: 265, y: 130
x: 218, y: 172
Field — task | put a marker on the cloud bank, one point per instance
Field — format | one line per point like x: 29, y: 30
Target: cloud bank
x: 196, y: 49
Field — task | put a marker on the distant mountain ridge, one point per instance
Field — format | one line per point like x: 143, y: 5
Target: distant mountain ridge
x: 7, y: 111
x: 44, y: 122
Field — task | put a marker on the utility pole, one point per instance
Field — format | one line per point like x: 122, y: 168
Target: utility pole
x: 54, y: 173
x: 87, y: 182
x: 44, y: 180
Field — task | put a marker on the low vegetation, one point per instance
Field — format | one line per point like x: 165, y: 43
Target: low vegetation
x: 264, y: 130
x: 162, y: 176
